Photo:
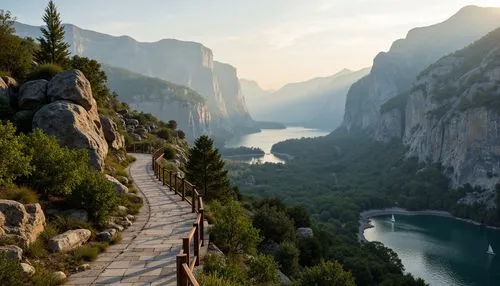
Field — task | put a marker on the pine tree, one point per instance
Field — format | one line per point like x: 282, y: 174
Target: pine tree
x: 7, y: 22
x: 53, y: 48
x: 205, y: 169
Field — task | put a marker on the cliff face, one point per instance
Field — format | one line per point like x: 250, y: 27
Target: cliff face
x: 452, y: 114
x: 393, y: 72
x: 229, y: 86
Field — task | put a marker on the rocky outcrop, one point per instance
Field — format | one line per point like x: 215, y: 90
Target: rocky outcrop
x: 113, y: 137
x: 27, y: 269
x: 229, y: 86
x: 69, y: 240
x: 305, y: 232
x: 453, y: 114
x: 394, y: 72
x: 33, y: 94
x: 12, y: 252
x: 74, y: 127
x: 119, y: 187
x: 391, y: 125
x: 21, y: 222
x: 71, y: 86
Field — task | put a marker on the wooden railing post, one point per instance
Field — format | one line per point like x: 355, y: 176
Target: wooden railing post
x: 193, y: 201
x: 185, y: 247
x: 196, y: 226
x: 163, y: 176
x: 202, y: 227
x: 170, y: 180
x: 181, y: 276
x: 183, y: 185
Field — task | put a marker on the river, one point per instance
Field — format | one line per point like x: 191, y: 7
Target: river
x: 267, y: 138
x: 442, y: 251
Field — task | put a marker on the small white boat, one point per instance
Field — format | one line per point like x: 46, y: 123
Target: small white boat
x: 490, y: 250
x: 393, y: 219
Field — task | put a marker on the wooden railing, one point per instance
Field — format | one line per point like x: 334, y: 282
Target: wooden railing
x: 189, y: 256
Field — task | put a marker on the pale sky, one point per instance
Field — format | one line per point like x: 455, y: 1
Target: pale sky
x: 271, y: 41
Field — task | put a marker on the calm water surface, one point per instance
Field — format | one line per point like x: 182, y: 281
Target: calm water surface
x: 442, y: 251
x: 267, y: 138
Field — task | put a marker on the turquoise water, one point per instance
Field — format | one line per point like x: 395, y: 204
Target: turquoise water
x: 442, y: 251
x: 267, y: 138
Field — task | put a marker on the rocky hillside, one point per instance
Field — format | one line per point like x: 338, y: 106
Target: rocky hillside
x: 229, y: 86
x: 166, y: 100
x: 394, y: 71
x: 184, y: 63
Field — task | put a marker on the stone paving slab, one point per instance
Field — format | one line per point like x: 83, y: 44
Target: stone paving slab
x: 148, y: 250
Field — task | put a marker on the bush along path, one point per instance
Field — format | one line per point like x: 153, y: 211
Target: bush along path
x: 147, y: 253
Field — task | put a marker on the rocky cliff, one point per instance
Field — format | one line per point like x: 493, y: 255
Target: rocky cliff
x: 452, y: 114
x: 394, y: 71
x: 184, y: 63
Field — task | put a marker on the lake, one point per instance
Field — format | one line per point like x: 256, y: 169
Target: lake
x: 267, y: 138
x: 442, y: 251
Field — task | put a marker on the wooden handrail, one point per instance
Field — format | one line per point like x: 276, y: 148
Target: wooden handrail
x: 185, y: 263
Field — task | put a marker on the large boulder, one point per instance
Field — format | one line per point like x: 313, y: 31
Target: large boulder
x: 75, y: 127
x: 113, y: 137
x: 71, y: 86
x: 28, y: 269
x: 22, y: 222
x: 305, y: 232
x: 69, y: 240
x: 119, y: 187
x: 4, y: 89
x: 32, y: 95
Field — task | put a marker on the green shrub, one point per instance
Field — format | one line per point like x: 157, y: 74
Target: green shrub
x: 23, y: 195
x: 274, y: 224
x: 10, y: 272
x: 86, y: 253
x: 165, y: 133
x: 65, y: 223
x: 300, y: 216
x: 169, y: 153
x: 172, y: 124
x: 233, y: 231
x: 264, y: 270
x: 287, y: 256
x: 44, y: 71
x: 96, y: 195
x: 181, y: 134
x: 213, y: 264
x: 58, y: 170
x: 44, y: 277
x: 15, y: 55
x: 328, y: 273
x: 213, y: 280
x: 117, y: 239
x: 14, y: 162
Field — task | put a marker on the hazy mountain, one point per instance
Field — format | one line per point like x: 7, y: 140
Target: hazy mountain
x: 254, y: 94
x: 394, y: 71
x: 185, y: 63
x: 309, y: 102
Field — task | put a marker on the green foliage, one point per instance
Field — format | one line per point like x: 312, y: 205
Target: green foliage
x: 263, y: 270
x: 44, y: 277
x: 242, y: 151
x: 165, y: 133
x: 299, y: 215
x: 213, y: 263
x: 23, y: 195
x: 328, y: 273
x: 274, y: 224
x: 7, y: 22
x: 172, y: 124
x: 15, y: 55
x: 85, y: 253
x: 44, y: 71
x: 57, y: 170
x: 64, y: 223
x: 6, y: 110
x: 96, y: 195
x: 169, y: 153
x: 95, y: 75
x: 13, y: 162
x: 205, y: 169
x: 53, y: 48
x: 214, y: 280
x: 233, y: 231
x: 10, y: 272
x: 181, y: 134
x: 287, y: 256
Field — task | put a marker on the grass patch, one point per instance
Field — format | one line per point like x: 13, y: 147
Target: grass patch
x: 8, y: 240
x: 64, y: 223
x: 23, y: 195
x: 132, y: 202
x: 44, y: 277
x: 86, y: 253
x: 117, y: 239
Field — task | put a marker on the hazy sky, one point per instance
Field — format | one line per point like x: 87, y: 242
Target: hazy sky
x: 270, y: 41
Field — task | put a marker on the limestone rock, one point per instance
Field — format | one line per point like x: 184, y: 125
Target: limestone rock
x: 22, y: 222
x: 113, y: 137
x: 71, y: 86
x: 28, y: 269
x: 119, y: 187
x: 75, y: 128
x: 130, y: 217
x: 4, y: 89
x: 12, y: 252
x: 59, y: 275
x: 33, y: 94
x: 107, y: 235
x: 135, y: 136
x: 305, y: 232
x: 69, y: 240
x: 123, y: 180
x: 125, y: 222
x: 10, y: 82
x: 115, y: 226
x: 84, y: 267
x: 132, y: 122
x: 122, y: 208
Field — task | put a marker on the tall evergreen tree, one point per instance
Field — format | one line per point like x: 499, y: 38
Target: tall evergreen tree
x: 205, y: 169
x: 7, y: 22
x: 53, y: 48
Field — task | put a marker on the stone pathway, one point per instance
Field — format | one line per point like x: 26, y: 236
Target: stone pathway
x: 147, y: 253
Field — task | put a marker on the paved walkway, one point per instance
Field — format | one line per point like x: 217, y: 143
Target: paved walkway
x: 147, y: 253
